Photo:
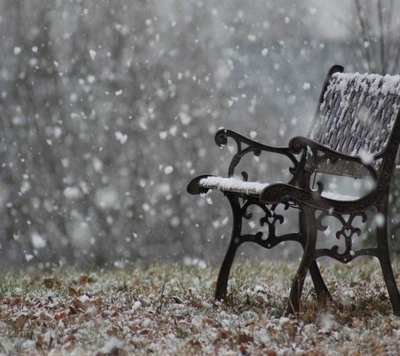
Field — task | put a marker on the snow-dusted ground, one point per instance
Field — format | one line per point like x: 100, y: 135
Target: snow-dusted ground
x: 170, y: 310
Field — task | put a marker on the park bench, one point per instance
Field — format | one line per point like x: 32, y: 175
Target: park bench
x: 355, y: 133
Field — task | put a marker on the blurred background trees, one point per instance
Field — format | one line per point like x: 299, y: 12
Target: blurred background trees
x: 377, y: 28
x: 108, y: 108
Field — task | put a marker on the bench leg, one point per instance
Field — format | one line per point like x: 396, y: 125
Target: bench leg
x: 384, y: 259
x: 390, y: 281
x: 309, y: 233
x: 223, y: 276
x: 320, y: 287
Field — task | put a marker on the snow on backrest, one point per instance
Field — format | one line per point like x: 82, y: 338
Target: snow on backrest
x: 357, y: 113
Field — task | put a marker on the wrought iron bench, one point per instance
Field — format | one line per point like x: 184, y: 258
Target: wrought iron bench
x: 355, y: 133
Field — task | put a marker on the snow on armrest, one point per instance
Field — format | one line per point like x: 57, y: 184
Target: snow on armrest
x: 232, y: 185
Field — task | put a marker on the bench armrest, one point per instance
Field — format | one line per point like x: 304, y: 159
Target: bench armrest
x: 246, y: 145
x: 320, y: 154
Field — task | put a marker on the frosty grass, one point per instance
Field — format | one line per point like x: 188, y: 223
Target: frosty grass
x: 170, y: 310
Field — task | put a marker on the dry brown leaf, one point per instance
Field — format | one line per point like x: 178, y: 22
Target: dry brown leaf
x: 94, y: 303
x: 69, y: 338
x: 83, y: 280
x: 78, y: 304
x: 59, y: 316
x: 208, y: 321
x: 19, y: 324
x: 243, y: 349
x: 136, y: 281
x: 39, y: 342
x: 245, y: 338
x: 223, y: 334
x: 195, y: 343
x: 73, y: 310
x: 177, y: 300
x: 113, y: 331
x: 196, y: 304
x: 195, y: 329
x: 73, y: 291
x: 49, y: 282
x: 15, y: 301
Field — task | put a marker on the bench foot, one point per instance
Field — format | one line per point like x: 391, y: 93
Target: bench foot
x: 384, y: 259
x: 320, y: 287
x: 391, y: 285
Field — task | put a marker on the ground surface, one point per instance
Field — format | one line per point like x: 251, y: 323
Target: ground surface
x: 170, y: 310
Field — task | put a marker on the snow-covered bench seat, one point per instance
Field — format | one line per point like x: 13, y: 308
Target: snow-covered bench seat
x: 254, y: 188
x: 355, y: 133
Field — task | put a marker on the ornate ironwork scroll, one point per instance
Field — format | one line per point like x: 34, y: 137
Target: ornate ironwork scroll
x: 347, y: 231
x: 245, y: 146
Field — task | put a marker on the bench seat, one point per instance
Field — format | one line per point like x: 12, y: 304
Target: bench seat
x: 255, y: 188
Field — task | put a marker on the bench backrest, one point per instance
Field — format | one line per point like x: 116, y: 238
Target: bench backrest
x: 356, y: 115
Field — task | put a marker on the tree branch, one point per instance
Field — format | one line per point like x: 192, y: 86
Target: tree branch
x: 381, y: 38
x: 363, y: 28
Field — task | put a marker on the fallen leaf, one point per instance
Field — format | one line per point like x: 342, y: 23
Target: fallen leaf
x: 208, y: 321
x: 73, y: 291
x: 19, y: 324
x: 39, y: 342
x: 72, y: 311
x: 223, y: 334
x: 136, y: 281
x: 245, y: 338
x: 83, y: 280
x: 177, y: 300
x: 243, y: 349
x: 59, y: 316
x: 15, y: 301
x: 49, y: 282
x: 69, y: 338
x: 79, y: 304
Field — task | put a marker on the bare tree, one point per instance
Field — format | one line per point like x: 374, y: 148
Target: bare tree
x: 375, y: 25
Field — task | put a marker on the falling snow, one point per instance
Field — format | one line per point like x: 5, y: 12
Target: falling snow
x: 109, y: 110
x: 92, y: 54
x: 168, y: 170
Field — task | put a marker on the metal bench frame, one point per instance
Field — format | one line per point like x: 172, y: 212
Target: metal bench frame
x: 310, y: 155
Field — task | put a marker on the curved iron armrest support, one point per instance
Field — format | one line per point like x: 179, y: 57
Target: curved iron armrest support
x: 300, y: 144
x: 221, y: 139
x: 194, y: 186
